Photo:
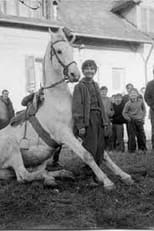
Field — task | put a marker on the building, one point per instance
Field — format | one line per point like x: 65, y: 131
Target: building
x: 104, y: 32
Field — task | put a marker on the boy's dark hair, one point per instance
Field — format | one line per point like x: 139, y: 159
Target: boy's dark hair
x: 103, y: 88
x: 5, y: 90
x: 128, y: 84
x: 134, y: 89
x: 89, y: 62
x: 118, y: 95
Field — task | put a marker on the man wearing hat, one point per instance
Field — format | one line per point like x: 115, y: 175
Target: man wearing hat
x: 88, y: 112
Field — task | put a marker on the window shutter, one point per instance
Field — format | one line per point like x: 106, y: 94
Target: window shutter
x: 118, y: 79
x: 30, y: 73
x: 144, y: 19
x: 151, y: 20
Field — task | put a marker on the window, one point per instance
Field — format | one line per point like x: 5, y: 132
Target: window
x: 16, y: 8
x: 34, y: 73
x: 38, y: 73
x: 118, y: 79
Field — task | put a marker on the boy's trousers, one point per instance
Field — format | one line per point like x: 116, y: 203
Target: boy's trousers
x: 118, y: 137
x: 93, y: 140
x: 136, y: 130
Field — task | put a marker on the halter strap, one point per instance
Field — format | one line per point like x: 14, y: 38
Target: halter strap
x: 54, y: 84
x: 65, y: 70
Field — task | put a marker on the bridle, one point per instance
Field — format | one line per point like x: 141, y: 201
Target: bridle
x: 65, y: 67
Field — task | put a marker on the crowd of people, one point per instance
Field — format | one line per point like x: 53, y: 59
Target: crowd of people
x: 126, y: 110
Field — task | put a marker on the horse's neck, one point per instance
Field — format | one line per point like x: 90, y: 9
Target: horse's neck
x: 51, y: 76
x: 58, y: 98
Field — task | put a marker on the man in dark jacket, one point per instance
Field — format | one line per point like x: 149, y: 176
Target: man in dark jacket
x: 4, y: 98
x: 88, y: 112
x: 149, y: 99
x: 118, y: 124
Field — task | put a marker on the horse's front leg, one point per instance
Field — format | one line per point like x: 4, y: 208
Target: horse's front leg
x: 69, y: 139
x: 126, y: 178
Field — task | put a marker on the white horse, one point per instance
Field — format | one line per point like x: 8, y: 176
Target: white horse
x: 55, y: 116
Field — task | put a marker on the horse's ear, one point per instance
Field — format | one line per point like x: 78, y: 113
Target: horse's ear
x: 52, y: 32
x: 69, y: 35
x: 73, y: 38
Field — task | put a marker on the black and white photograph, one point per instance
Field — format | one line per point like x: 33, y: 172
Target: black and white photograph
x: 76, y: 114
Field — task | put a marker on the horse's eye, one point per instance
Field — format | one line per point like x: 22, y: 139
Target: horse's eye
x: 59, y: 52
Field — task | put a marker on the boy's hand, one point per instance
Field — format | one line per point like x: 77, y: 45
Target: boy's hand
x: 82, y: 131
x: 128, y: 119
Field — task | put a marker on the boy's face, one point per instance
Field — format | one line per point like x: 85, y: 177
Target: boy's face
x: 118, y: 100
x: 89, y: 71
x: 104, y: 92
x: 133, y: 95
x: 143, y: 90
x: 5, y: 95
x: 41, y: 97
x: 129, y: 87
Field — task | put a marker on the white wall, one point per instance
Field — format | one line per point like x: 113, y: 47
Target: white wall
x: 15, y: 44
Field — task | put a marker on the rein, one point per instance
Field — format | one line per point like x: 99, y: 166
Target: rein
x: 65, y: 67
x: 54, y: 84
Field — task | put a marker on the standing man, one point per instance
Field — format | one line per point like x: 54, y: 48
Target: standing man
x: 149, y: 99
x: 129, y: 87
x: 8, y: 106
x: 88, y: 112
x: 134, y: 112
x: 118, y: 124
x: 108, y: 107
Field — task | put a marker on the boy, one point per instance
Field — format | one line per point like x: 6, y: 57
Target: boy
x: 88, y: 112
x: 134, y: 112
x: 118, y: 124
x: 109, y: 111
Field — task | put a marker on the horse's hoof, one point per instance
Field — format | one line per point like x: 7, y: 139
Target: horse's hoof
x: 50, y: 182
x: 128, y: 181
x: 67, y: 174
x: 92, y: 184
x: 109, y: 187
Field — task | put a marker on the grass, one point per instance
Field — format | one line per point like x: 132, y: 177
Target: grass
x: 75, y: 205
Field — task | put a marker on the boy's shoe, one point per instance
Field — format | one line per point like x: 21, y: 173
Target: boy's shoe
x: 131, y: 151
x: 141, y: 152
x: 92, y: 182
x: 54, y: 167
x: 86, y: 170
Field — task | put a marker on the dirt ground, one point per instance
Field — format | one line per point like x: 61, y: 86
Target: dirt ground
x: 77, y: 205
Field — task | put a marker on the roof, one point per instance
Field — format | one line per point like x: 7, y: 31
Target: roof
x: 89, y: 18
x: 120, y: 5
x: 93, y: 18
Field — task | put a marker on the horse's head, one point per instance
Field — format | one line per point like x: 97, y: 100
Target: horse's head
x: 61, y: 55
